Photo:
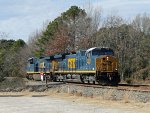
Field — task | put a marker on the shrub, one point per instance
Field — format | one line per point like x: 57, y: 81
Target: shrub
x: 145, y: 74
x: 12, y: 82
x: 129, y: 80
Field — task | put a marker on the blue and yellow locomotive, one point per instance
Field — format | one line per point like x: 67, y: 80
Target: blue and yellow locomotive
x: 91, y: 66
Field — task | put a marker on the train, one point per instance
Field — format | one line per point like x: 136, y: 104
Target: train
x: 94, y: 65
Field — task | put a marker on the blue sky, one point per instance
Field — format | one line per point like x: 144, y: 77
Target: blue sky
x: 21, y: 18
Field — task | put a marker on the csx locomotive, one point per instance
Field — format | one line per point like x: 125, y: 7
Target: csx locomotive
x: 95, y: 65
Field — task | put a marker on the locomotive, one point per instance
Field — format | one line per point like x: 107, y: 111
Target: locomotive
x: 94, y: 65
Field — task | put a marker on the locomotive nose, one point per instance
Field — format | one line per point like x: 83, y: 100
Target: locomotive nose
x: 106, y: 64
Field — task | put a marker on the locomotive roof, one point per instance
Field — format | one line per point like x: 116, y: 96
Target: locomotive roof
x: 91, y: 49
x: 95, y: 48
x: 31, y: 58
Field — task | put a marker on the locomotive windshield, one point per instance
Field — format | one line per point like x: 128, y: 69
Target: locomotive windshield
x: 102, y: 51
x: 30, y: 60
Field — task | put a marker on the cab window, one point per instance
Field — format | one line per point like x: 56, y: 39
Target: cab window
x: 30, y: 61
x: 102, y: 51
x: 97, y: 52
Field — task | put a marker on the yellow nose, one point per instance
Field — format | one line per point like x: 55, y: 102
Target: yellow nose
x: 106, y: 64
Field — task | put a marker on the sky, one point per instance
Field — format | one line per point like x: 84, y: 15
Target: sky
x: 20, y: 19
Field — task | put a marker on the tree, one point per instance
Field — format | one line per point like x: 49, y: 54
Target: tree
x: 59, y: 44
x: 10, y: 59
x: 69, y: 20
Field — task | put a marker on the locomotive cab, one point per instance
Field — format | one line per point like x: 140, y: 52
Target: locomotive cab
x: 105, y: 65
x: 96, y: 53
x: 32, y: 67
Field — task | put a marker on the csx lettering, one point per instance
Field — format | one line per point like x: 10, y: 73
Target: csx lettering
x: 71, y: 63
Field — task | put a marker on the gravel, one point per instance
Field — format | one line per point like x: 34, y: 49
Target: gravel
x: 104, y: 93
x: 107, y: 94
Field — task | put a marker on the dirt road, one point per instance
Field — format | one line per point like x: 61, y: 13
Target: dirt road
x: 27, y: 104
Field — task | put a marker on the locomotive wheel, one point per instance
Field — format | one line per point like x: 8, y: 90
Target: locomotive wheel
x: 54, y: 78
x: 103, y: 80
x: 82, y: 79
x: 115, y: 80
x: 27, y: 76
x: 108, y: 80
x: 64, y: 79
x: 93, y: 82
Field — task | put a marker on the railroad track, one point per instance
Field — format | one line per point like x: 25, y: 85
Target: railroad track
x: 138, y: 93
x: 127, y: 87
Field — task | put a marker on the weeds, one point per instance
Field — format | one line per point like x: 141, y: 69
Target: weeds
x: 126, y: 98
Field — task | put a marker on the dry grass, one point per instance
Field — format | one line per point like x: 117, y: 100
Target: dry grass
x: 126, y: 98
x: 79, y: 94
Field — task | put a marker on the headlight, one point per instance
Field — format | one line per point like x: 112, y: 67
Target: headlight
x: 107, y: 58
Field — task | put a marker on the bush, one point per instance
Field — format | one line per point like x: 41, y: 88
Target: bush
x: 12, y: 83
x: 1, y: 77
x: 129, y: 80
x: 145, y: 74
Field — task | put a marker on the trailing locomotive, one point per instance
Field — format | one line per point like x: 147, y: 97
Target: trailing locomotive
x: 92, y: 65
